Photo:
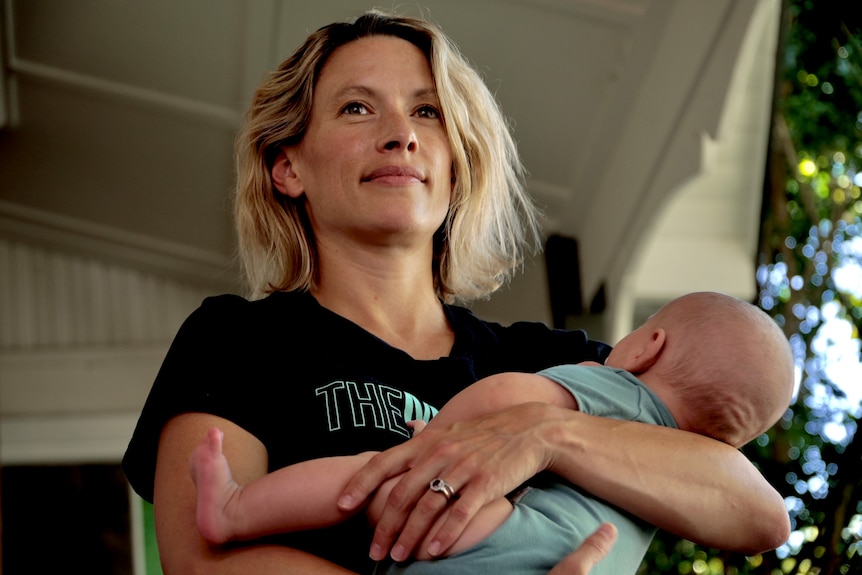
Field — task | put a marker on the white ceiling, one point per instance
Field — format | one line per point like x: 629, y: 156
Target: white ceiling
x: 641, y: 122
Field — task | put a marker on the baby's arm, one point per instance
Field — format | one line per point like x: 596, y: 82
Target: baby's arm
x: 294, y: 498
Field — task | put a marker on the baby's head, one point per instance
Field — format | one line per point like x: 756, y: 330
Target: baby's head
x: 722, y: 365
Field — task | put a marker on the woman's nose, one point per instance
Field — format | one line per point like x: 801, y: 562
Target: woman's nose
x: 399, y: 134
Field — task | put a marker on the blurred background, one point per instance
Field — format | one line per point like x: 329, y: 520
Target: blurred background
x: 674, y: 145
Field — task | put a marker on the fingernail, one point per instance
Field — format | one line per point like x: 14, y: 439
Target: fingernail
x: 346, y: 502
x: 377, y: 553
x: 399, y: 553
x: 434, y: 548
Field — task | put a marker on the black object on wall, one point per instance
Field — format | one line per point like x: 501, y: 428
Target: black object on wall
x: 564, y: 278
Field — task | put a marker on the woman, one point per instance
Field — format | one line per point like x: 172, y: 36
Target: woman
x: 377, y: 183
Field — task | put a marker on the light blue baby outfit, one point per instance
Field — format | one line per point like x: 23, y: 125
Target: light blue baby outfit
x: 553, y: 517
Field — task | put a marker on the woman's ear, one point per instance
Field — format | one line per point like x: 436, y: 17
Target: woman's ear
x: 284, y: 178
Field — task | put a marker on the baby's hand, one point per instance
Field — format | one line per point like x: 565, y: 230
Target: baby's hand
x: 416, y: 425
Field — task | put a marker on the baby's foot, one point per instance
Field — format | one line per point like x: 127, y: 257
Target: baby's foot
x: 417, y: 425
x: 216, y: 487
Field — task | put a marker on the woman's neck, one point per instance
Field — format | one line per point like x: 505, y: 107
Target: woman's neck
x: 391, y: 297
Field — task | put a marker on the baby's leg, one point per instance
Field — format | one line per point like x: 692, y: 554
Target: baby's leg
x: 216, y: 488
x: 501, y: 391
x: 298, y: 497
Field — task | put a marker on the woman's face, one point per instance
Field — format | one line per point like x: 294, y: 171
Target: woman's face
x: 374, y: 165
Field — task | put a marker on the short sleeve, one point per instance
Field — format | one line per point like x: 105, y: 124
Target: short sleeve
x: 192, y: 378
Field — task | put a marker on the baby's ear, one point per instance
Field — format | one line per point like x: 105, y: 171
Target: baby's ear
x: 284, y: 177
x: 649, y: 352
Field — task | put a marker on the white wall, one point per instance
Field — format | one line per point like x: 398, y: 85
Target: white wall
x: 80, y: 344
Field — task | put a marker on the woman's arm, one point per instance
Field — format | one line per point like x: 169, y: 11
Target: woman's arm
x: 182, y: 549
x: 685, y: 483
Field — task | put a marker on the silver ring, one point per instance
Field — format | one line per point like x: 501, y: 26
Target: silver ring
x: 441, y: 486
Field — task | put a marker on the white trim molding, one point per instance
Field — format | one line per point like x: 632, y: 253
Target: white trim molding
x: 87, y: 239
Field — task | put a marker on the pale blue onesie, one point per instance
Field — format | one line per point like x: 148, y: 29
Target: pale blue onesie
x: 551, y: 518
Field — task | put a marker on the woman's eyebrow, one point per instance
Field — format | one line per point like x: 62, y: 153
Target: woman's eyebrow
x: 426, y: 93
x: 361, y: 90
x: 354, y: 90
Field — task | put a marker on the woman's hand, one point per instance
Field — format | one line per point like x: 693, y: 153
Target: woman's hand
x: 667, y: 477
x: 482, y: 459
x: 594, y: 548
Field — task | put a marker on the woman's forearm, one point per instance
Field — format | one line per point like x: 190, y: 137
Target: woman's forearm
x: 685, y: 483
x: 257, y: 559
x: 182, y: 549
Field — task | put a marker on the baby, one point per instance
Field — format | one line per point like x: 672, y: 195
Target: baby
x: 705, y: 362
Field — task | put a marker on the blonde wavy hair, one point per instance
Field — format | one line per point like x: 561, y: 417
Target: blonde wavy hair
x: 491, y: 219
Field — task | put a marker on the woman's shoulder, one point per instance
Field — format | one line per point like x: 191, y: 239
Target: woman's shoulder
x: 526, y: 345
x: 464, y: 318
x: 230, y: 321
x: 229, y: 302
x: 232, y: 307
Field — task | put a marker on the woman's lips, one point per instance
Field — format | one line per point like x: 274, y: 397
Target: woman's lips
x: 395, y: 175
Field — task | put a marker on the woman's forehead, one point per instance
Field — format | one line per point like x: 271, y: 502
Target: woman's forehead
x: 375, y: 58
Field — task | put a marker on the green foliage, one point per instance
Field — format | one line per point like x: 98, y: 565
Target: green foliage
x: 811, y: 248
x: 821, y: 72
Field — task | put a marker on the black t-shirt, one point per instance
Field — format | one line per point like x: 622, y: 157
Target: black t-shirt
x: 309, y: 383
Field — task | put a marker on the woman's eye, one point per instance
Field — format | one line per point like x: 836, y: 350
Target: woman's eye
x: 354, y: 108
x: 429, y: 111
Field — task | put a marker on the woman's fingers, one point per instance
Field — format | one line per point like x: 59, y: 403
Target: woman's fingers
x: 483, y: 459
x: 594, y: 548
x: 469, y: 494
x: 458, y: 513
x: 411, y: 507
x: 402, y: 499
x: 403, y: 525
x: 366, y: 481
